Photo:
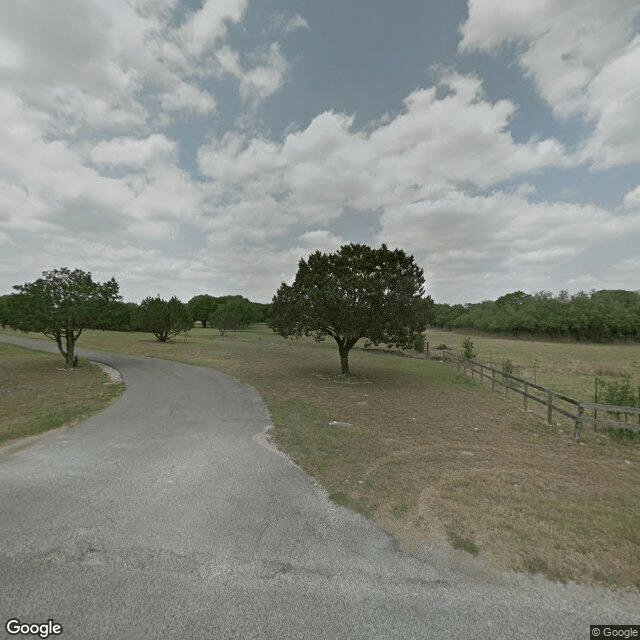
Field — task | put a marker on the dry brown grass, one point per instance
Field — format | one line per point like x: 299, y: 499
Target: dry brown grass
x: 431, y: 461
x: 612, y: 370
x: 568, y: 367
x: 435, y: 458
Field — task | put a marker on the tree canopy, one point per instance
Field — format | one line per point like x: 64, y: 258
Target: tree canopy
x: 599, y: 315
x: 356, y: 292
x: 201, y: 307
x: 233, y: 312
x: 165, y: 319
x: 61, y: 305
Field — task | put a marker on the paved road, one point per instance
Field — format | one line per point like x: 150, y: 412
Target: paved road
x: 168, y: 516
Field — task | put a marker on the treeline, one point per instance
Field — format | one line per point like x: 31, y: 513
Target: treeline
x: 164, y: 318
x: 225, y: 313
x: 604, y: 315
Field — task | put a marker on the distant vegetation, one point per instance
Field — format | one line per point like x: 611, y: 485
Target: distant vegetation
x: 605, y: 315
x: 225, y: 313
x: 63, y: 303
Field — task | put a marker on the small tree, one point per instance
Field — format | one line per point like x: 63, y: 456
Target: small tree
x: 467, y: 349
x: 357, y: 292
x: 164, y: 319
x: 201, y: 307
x: 61, y: 305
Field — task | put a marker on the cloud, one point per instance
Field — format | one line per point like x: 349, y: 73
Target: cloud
x: 89, y: 173
x: 421, y: 171
x: 321, y: 240
x: 614, y: 105
x: 134, y: 152
x: 461, y: 137
x: 582, y: 56
x: 187, y: 97
x: 286, y: 23
x: 501, y: 238
x: 296, y: 22
x: 229, y: 61
x: 207, y: 26
x: 85, y: 71
x: 632, y: 199
x: 6, y: 240
x: 264, y: 80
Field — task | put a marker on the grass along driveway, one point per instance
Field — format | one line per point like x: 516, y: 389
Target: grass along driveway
x: 37, y: 393
x: 432, y: 456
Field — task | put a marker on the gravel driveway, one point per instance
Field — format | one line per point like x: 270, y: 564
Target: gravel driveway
x: 168, y: 515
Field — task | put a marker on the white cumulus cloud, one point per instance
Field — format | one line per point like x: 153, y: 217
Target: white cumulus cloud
x: 583, y: 56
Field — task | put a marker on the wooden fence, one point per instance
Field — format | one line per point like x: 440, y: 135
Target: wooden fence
x: 553, y: 402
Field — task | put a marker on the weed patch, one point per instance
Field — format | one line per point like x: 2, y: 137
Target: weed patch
x: 463, y: 544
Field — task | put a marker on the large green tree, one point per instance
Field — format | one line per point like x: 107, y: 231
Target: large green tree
x: 201, y: 307
x: 356, y: 292
x: 61, y: 305
x: 164, y: 318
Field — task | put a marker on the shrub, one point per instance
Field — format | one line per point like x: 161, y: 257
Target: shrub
x: 621, y: 394
x: 507, y: 366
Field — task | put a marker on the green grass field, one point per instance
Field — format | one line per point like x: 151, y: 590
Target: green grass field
x: 436, y: 458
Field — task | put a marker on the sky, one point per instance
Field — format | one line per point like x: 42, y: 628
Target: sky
x: 188, y: 146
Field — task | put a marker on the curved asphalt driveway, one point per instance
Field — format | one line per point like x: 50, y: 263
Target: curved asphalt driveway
x: 168, y: 516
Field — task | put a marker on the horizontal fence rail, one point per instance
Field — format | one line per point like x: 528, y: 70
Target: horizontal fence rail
x: 502, y: 380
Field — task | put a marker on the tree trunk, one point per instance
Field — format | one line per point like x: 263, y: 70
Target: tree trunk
x: 344, y: 349
x: 58, y: 338
x: 70, y: 354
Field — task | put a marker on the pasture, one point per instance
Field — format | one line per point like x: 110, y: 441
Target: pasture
x: 568, y: 367
x: 434, y: 457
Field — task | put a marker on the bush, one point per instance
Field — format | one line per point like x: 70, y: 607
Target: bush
x: 620, y: 394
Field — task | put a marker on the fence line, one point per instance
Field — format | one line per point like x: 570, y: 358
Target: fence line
x: 550, y: 398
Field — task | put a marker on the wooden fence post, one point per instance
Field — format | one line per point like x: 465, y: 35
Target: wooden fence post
x: 549, y: 407
x: 578, y: 428
x: 493, y: 379
x: 526, y: 390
